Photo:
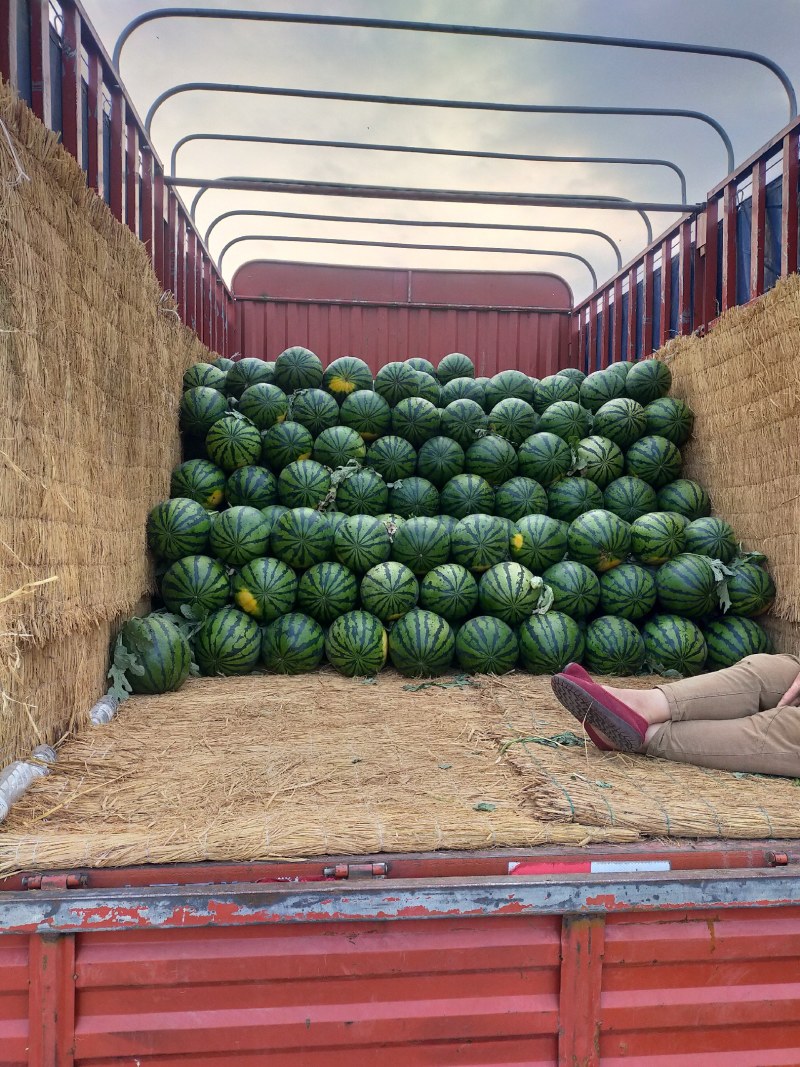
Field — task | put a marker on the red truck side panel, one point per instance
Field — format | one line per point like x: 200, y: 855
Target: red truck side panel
x: 14, y: 973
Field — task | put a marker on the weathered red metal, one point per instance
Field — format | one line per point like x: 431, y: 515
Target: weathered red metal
x: 71, y: 104
x: 94, y: 93
x: 41, y: 82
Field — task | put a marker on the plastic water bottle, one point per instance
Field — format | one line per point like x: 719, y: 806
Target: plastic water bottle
x: 16, y: 779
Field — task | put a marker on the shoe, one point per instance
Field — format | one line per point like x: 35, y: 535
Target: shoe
x: 574, y: 670
x: 594, y: 706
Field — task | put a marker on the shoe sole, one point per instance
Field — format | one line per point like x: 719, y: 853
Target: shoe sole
x: 586, y: 709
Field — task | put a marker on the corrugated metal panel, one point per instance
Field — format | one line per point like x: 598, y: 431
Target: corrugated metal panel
x: 13, y: 1000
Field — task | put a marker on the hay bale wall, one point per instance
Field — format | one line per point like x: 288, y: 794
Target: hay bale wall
x: 91, y: 360
x: 742, y: 380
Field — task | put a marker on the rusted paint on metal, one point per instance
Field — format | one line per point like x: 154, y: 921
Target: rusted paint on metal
x: 582, y: 941
x: 51, y: 1018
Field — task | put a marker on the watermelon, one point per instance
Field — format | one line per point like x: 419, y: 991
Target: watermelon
x: 303, y: 484
x: 362, y: 542
x: 711, y: 537
x: 685, y: 497
x: 545, y: 458
x: 654, y: 459
x: 421, y: 644
x: 222, y: 363
x: 162, y: 651
x: 731, y: 639
x: 337, y: 446
x: 326, y: 591
x: 573, y: 373
x: 247, y: 372
x: 415, y: 419
x: 464, y: 421
x: 428, y: 388
x: 479, y: 541
x: 439, y: 460
x: 367, y: 413
x: 599, y: 539
x: 492, y: 458
x: 571, y: 497
x: 396, y: 382
x: 671, y: 418
x: 253, y: 486
x: 421, y: 543
x: 393, y: 458
x: 335, y: 519
x: 548, y: 642
x: 239, y: 535
x: 510, y: 592
x: 345, y: 376
x: 424, y: 365
x: 389, y: 590
x: 356, y: 644
x: 233, y: 442
x: 199, y: 582
x: 613, y: 646
x: 509, y: 385
x: 178, y: 527
x: 228, y: 642
x: 600, y: 387
x: 204, y: 374
x: 520, y: 496
x: 301, y: 538
x: 599, y: 460
x: 455, y: 365
x: 622, y: 421
x: 467, y: 494
x: 514, y: 420
x: 362, y: 493
x: 284, y: 443
x: 292, y: 644
x: 627, y: 591
x: 553, y: 388
x: 673, y: 643
x: 648, y: 380
x: 298, y: 368
x: 687, y: 586
x: 657, y: 537
x: 621, y: 366
x: 448, y: 523
x: 539, y: 542
x: 198, y: 480
x: 200, y: 408
x: 629, y: 497
x: 462, y: 389
x: 486, y: 645
x: 450, y: 591
x: 264, y: 405
x: 576, y: 589
x: 272, y: 512
x: 265, y: 588
x: 414, y: 496
x: 566, y: 420
x: 314, y: 409
x: 751, y: 590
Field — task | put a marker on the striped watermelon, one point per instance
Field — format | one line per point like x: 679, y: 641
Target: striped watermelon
x: 628, y: 591
x: 200, y: 408
x: 393, y: 458
x: 711, y: 537
x: 204, y: 374
x: 467, y: 494
x: 314, y: 409
x: 415, y: 419
x: 508, y: 385
x: 449, y: 591
x: 162, y: 651
x: 199, y: 582
x: 232, y: 442
x: 509, y: 591
x: 751, y: 590
x: 421, y: 544
x: 732, y: 639
x: 273, y: 512
x: 687, y: 586
x: 539, y: 542
x: 255, y: 487
x: 363, y: 493
x: 326, y: 591
x: 414, y: 496
x: 362, y: 542
x: 486, y: 645
x: 265, y: 588
x: 685, y: 497
x: 389, y: 590
x: 479, y: 541
x: 671, y: 418
x: 566, y: 420
x: 545, y: 458
x: 301, y: 538
x: 395, y: 382
x: 428, y: 388
x: 599, y: 460
x: 573, y: 373
x: 222, y: 363
x: 285, y: 442
x: 345, y: 375
x: 571, y: 497
x: 247, y: 372
x: 548, y: 642
x: 492, y: 458
x: 228, y: 642
x: 421, y: 644
x: 600, y: 387
x: 337, y: 446
x: 455, y: 365
x: 673, y: 643
x: 653, y: 459
x: 356, y: 645
x: 439, y: 460
x: 520, y: 496
x: 648, y: 380
x: 298, y: 368
x: 629, y: 497
x: 462, y: 389
x: 199, y: 480
x: 239, y: 535
x: 463, y: 420
x: 178, y: 527
x: 421, y: 364
x: 303, y: 484
x: 576, y: 589
x: 599, y: 539
x: 622, y: 421
x: 448, y: 523
x: 335, y: 519
x: 264, y: 405
x: 621, y: 366
x: 613, y: 646
x: 292, y: 644
x: 367, y: 413
x: 514, y: 420
x: 553, y: 388
x: 657, y: 537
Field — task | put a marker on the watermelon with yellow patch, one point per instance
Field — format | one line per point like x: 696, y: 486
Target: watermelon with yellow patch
x: 346, y: 375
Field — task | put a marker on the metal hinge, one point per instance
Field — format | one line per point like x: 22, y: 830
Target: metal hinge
x: 55, y: 881
x: 356, y: 870
x: 781, y: 859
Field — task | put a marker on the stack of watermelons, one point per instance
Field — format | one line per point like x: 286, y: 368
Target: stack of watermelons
x: 443, y: 519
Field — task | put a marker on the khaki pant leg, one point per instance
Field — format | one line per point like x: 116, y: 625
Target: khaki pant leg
x: 755, y: 684
x: 767, y: 742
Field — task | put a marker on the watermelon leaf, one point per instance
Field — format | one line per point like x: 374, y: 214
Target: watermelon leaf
x: 722, y: 573
x: 484, y: 806
x: 545, y: 601
x: 137, y: 636
x: 659, y: 668
x: 123, y: 662
x: 748, y: 557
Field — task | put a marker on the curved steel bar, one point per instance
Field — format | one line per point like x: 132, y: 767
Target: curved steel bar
x: 254, y: 212
x: 420, y: 150
x: 397, y: 244
x: 422, y: 101
x: 472, y: 31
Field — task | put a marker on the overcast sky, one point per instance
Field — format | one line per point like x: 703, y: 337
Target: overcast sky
x: 746, y: 99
